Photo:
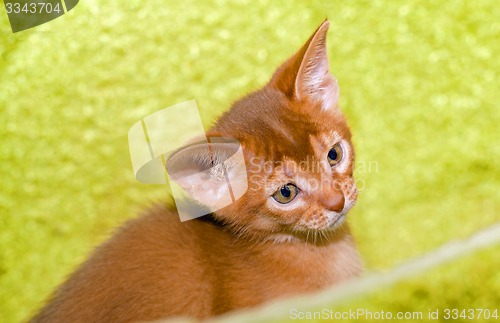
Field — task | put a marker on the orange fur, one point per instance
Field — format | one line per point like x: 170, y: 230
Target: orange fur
x: 254, y: 250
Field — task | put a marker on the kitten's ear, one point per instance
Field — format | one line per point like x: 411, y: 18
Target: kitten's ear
x: 306, y: 76
x: 213, y: 174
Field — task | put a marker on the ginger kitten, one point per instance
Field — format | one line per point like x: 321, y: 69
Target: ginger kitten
x: 286, y: 235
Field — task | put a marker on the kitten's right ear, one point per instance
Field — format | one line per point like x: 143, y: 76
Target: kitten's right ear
x: 305, y: 76
x: 213, y: 174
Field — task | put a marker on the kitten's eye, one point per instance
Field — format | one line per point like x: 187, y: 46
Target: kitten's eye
x: 335, y: 155
x: 286, y: 194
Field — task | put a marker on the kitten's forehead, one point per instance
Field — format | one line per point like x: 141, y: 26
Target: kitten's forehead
x: 324, y: 140
x: 270, y: 126
x: 330, y: 137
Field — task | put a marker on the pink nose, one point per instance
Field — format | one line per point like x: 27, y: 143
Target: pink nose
x: 333, y: 200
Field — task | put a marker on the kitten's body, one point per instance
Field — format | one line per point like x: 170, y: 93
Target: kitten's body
x: 157, y: 267
x: 265, y: 245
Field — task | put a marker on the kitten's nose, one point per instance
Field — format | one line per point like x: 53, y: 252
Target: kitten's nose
x: 333, y: 200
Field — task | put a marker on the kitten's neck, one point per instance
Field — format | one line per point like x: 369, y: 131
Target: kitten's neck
x: 282, y: 238
x: 210, y: 218
x: 313, y: 239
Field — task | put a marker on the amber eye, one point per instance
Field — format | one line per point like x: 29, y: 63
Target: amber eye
x: 335, y: 155
x: 286, y: 194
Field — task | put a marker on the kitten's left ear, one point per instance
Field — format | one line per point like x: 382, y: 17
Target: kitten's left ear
x: 212, y: 174
x: 306, y: 76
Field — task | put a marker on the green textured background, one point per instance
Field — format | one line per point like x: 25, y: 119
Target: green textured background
x: 419, y: 84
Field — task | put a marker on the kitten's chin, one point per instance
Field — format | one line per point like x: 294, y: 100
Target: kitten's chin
x: 309, y: 234
x: 325, y: 224
x: 336, y: 222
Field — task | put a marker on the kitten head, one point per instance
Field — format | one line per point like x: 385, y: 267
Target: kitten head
x: 297, y: 150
